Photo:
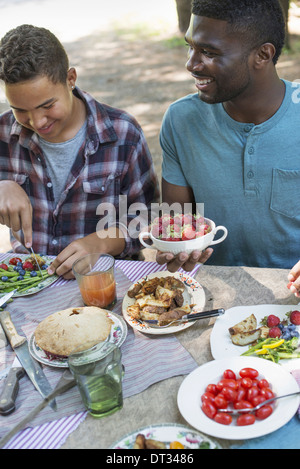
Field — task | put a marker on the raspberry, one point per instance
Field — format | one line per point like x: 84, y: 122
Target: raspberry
x: 275, y: 332
x: 273, y: 321
x: 295, y: 317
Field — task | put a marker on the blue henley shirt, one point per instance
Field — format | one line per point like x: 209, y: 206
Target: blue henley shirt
x: 247, y: 176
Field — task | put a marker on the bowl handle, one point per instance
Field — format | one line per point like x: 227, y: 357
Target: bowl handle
x: 217, y: 241
x: 145, y: 234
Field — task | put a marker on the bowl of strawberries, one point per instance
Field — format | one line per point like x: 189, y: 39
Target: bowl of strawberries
x: 182, y: 233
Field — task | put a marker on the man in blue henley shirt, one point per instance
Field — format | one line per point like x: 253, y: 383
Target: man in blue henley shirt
x: 235, y: 145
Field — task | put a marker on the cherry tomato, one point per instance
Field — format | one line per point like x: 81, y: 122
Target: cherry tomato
x: 252, y: 392
x: 229, y: 374
x: 239, y: 382
x: 230, y: 394
x: 241, y: 394
x: 243, y: 405
x: 209, y: 409
x: 14, y: 260
x: 246, y: 383
x: 263, y: 383
x: 228, y: 383
x: 264, y: 412
x: 221, y: 402
x: 212, y: 389
x: 207, y: 396
x: 3, y: 266
x: 248, y: 373
x: 224, y: 419
x: 245, y: 419
x: 267, y: 393
x: 255, y: 382
x: 258, y: 400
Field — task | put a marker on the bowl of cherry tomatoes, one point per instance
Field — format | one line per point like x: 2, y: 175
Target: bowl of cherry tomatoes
x: 238, y: 383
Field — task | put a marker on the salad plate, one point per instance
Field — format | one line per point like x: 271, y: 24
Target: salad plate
x: 117, y: 336
x: 166, y: 433
x: 194, y: 385
x: 193, y: 294
x: 41, y: 285
x: 220, y: 340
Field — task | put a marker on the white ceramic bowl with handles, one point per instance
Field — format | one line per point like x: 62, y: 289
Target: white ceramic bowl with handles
x: 176, y: 247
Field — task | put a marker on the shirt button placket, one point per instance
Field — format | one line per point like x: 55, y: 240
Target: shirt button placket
x: 249, y: 173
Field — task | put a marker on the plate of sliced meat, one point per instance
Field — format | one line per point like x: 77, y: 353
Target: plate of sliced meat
x: 158, y: 296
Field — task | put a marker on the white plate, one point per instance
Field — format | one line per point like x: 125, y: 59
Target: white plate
x: 193, y: 294
x: 194, y: 385
x: 220, y: 341
x: 117, y: 336
x: 168, y: 432
x: 43, y: 284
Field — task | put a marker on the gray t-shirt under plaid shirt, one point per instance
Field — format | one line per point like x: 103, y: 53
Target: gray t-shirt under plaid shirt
x: 60, y: 158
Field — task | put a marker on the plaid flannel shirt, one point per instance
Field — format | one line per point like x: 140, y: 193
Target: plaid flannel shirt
x: 114, y: 160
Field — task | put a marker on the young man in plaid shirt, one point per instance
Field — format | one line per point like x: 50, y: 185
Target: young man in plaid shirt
x: 64, y: 156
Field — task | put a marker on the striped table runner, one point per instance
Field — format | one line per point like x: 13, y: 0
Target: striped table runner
x: 50, y: 431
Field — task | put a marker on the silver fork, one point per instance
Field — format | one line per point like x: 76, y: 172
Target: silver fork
x: 186, y: 318
x: 254, y: 409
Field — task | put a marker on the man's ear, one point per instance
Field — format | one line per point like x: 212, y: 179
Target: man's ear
x: 264, y: 55
x: 71, y: 77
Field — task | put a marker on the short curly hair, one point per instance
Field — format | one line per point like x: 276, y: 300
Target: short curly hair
x: 29, y: 51
x: 259, y: 21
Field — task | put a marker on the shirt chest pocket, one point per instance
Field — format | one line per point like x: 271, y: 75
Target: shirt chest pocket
x: 285, y: 195
x: 106, y: 186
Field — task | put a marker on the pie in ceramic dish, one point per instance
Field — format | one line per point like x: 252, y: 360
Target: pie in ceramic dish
x: 64, y: 331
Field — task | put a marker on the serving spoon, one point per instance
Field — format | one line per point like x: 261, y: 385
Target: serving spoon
x: 254, y: 409
x: 186, y: 318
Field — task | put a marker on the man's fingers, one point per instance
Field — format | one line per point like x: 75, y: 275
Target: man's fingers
x: 187, y: 262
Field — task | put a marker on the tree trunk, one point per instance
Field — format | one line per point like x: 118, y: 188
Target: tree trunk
x: 184, y: 14
x: 285, y: 6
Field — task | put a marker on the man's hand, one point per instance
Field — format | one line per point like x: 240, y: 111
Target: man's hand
x: 184, y: 260
x: 16, y: 210
x: 294, y: 280
x: 92, y: 243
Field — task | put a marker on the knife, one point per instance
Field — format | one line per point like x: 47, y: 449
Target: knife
x: 20, y: 345
x: 193, y: 317
x: 3, y: 300
x: 11, y: 388
x: 65, y: 383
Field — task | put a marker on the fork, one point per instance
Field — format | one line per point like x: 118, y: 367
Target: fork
x: 254, y: 409
x: 186, y: 318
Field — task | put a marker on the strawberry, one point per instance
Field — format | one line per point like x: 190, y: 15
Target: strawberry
x: 28, y: 266
x: 295, y: 317
x: 275, y: 332
x: 272, y: 321
x: 188, y: 232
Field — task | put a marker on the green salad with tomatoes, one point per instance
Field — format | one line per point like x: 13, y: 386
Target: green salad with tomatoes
x: 20, y: 275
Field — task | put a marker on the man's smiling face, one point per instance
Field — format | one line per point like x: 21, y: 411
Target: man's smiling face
x: 217, y: 60
x: 42, y: 106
